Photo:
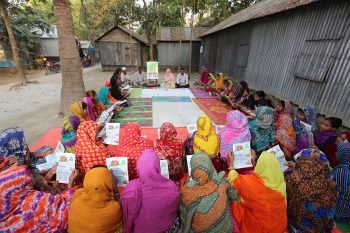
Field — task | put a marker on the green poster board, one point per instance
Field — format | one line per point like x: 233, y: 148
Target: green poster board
x: 152, y: 70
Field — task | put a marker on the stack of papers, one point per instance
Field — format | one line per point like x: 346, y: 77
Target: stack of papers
x: 51, y: 159
x: 119, y: 168
x: 242, y: 155
x: 66, y: 165
x: 191, y: 129
x: 279, y: 156
x: 164, y: 168
x: 112, y: 133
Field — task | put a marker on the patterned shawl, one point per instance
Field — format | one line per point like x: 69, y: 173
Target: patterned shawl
x: 77, y: 110
x: 312, y: 196
x: 13, y: 143
x: 205, y: 139
x: 219, y: 82
x: 131, y: 145
x: 205, y: 199
x: 285, y: 134
x: 69, y: 132
x: 88, y: 151
x: 23, y: 209
x: 90, y: 116
x: 262, y: 129
x: 171, y: 148
x: 341, y: 176
x: 229, y: 91
x: 235, y: 131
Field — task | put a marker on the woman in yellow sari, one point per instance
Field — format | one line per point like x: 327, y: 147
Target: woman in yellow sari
x: 93, y: 208
x: 206, y: 140
x: 219, y: 83
x: 79, y: 109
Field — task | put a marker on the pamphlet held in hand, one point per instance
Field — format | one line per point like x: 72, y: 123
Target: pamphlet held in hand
x: 66, y: 165
x: 277, y: 151
x: 164, y: 168
x: 242, y: 155
x: 112, y: 133
x: 51, y: 159
x: 191, y: 129
x: 119, y: 168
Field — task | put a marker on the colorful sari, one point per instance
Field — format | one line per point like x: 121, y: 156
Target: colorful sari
x: 88, y: 151
x: 77, y: 110
x: 219, y: 82
x: 131, y: 145
x: 13, y: 143
x: 312, y: 196
x: 262, y: 129
x: 90, y: 116
x: 244, y: 85
x: 92, y: 207
x: 151, y: 202
x: 170, y: 148
x: 103, y: 96
x: 23, y: 209
x: 204, y: 79
x: 205, y: 199
x: 205, y: 139
x: 285, y: 133
x: 97, y: 106
x: 325, y: 141
x: 69, y: 132
x: 229, y: 91
x: 235, y: 131
x: 263, y: 206
x: 341, y: 176
x: 303, y: 141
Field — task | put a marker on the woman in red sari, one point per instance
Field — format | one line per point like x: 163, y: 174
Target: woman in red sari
x: 131, y: 145
x: 171, y: 148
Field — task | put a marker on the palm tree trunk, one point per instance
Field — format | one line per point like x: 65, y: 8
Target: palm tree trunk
x: 14, y: 47
x: 72, y: 77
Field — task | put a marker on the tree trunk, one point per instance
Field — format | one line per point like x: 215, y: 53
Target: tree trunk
x: 15, y: 53
x: 71, y: 69
x: 151, y: 52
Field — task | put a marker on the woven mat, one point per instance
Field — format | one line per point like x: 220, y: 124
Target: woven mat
x: 215, y: 109
x: 171, y: 99
x: 201, y: 94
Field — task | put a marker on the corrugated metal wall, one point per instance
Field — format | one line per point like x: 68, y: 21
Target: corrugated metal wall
x: 119, y: 54
x: 302, y: 55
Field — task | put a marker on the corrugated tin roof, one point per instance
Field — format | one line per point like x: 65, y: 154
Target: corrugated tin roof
x: 179, y: 33
x: 258, y: 10
x: 85, y: 44
x: 128, y: 31
x: 52, y: 34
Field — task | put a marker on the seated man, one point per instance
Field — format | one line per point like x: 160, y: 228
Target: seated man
x: 140, y: 78
x: 182, y: 79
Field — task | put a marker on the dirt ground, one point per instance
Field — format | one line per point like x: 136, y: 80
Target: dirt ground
x: 35, y: 107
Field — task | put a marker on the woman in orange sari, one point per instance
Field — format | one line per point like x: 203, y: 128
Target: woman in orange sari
x: 263, y: 206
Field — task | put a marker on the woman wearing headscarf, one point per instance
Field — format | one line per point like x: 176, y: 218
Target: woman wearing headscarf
x: 283, y: 107
x: 79, y: 109
x: 104, y: 96
x: 341, y: 176
x: 23, y: 209
x: 151, y: 202
x: 169, y: 79
x: 171, y: 148
x: 115, y: 84
x: 205, y: 139
x: 97, y: 106
x: 131, y: 145
x: 219, y: 83
x: 263, y: 197
x: 93, y: 209
x: 90, y: 112
x: 243, y: 86
x: 307, y: 115
x: 312, y: 196
x: 69, y: 132
x: 89, y: 152
x: 285, y: 135
x: 205, y: 199
x: 262, y: 129
x: 228, y: 90
x: 235, y: 131
x: 204, y: 79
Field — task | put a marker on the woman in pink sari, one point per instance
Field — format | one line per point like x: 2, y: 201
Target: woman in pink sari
x: 156, y: 196
x: 169, y: 79
x: 90, y: 115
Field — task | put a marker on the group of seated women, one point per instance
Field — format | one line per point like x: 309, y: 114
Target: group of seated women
x: 313, y: 195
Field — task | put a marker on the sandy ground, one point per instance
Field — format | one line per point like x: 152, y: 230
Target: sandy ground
x: 35, y: 107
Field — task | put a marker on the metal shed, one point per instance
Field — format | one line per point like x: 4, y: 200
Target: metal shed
x: 293, y: 49
x: 174, y: 47
x: 121, y: 46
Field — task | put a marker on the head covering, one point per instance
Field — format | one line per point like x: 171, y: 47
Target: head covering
x: 107, y: 83
x: 263, y: 208
x: 124, y: 68
x: 69, y: 132
x: 341, y: 176
x: 77, y: 109
x: 13, y: 143
x: 150, y: 202
x: 219, y: 83
x: 322, y: 136
x: 229, y: 91
x: 93, y: 208
x: 88, y: 151
x: 169, y: 75
x: 204, y: 79
x: 23, y: 209
x: 288, y: 109
x: 90, y: 116
x: 205, y: 199
x: 244, y: 85
x: 205, y: 139
x: 285, y: 133
x: 311, y: 193
x: 262, y: 129
x: 235, y: 131
x: 103, y: 96
x: 171, y: 148
x: 131, y: 145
